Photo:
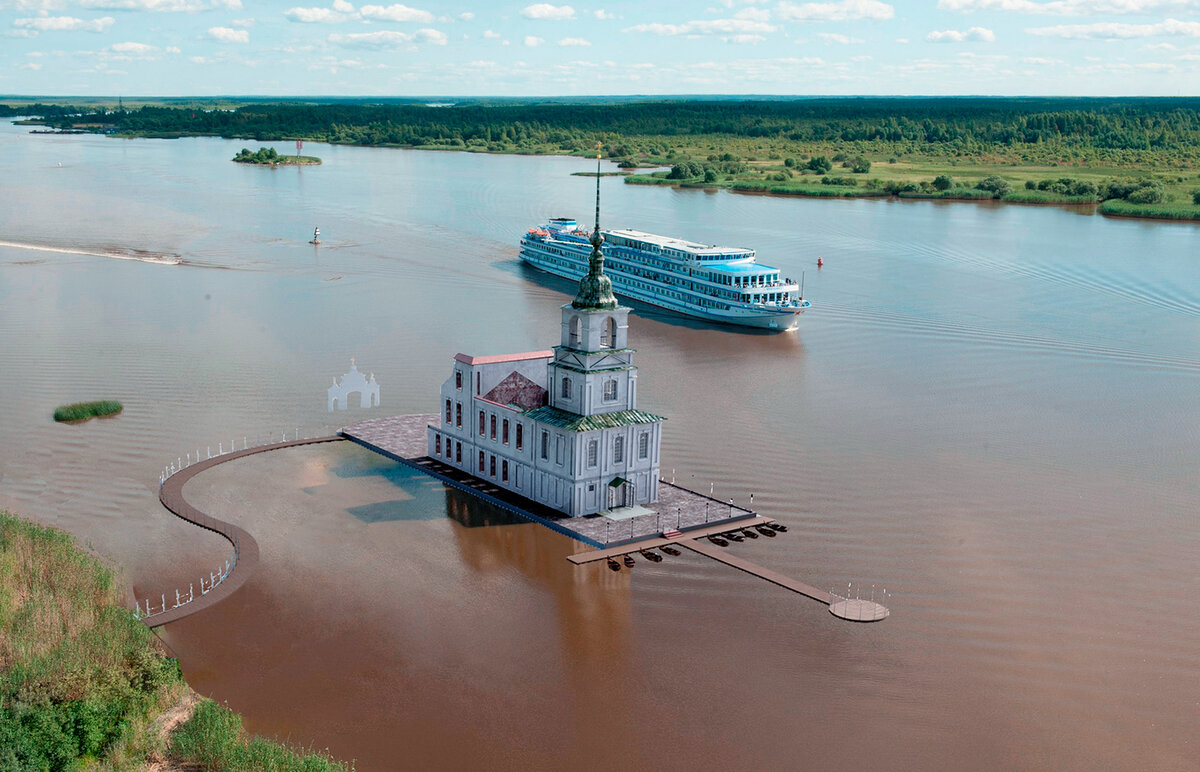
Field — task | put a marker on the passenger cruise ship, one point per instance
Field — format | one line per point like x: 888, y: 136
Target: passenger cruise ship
x: 720, y: 284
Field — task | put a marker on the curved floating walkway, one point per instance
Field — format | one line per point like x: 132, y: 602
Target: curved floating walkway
x: 245, y: 549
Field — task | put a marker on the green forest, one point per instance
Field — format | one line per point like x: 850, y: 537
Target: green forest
x: 1044, y: 150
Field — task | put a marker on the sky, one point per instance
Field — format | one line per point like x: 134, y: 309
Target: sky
x: 492, y: 47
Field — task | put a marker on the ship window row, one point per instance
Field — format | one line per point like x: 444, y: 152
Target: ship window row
x: 450, y: 445
x: 489, y: 420
x: 457, y: 414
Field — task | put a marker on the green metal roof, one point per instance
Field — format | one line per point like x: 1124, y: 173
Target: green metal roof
x: 573, y: 422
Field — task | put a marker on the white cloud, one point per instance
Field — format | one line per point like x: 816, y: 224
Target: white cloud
x: 710, y: 27
x: 389, y: 38
x: 974, y: 34
x: 396, y: 12
x: 846, y: 10
x: 242, y: 22
x: 31, y: 66
x: 841, y: 40
x: 466, y: 16
x: 341, y: 6
x: 547, y: 11
x: 173, y: 50
x: 532, y: 41
x: 64, y: 24
x: 753, y: 14
x: 603, y: 15
x: 133, y: 49
x: 1067, y: 7
x: 229, y: 35
x: 744, y: 40
x: 165, y: 6
x: 568, y: 42
x: 316, y: 15
x: 491, y: 34
x: 1118, y: 31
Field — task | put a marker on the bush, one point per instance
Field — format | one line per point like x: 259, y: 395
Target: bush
x: 1196, y: 197
x: 1146, y: 195
x: 686, y: 170
x: 214, y: 739
x: 858, y: 165
x: 820, y: 164
x: 627, y: 164
x: 943, y: 182
x: 997, y: 185
x: 710, y: 175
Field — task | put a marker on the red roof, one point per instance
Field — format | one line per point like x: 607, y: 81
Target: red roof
x: 467, y: 359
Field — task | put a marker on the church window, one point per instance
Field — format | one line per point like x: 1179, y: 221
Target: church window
x: 437, y: 444
x: 458, y: 451
x: 608, y: 333
x: 546, y: 445
x: 482, y: 424
x: 504, y: 433
x: 493, y: 427
x: 519, y: 437
x: 458, y: 379
x: 481, y: 462
x: 574, y: 330
x: 504, y: 471
x: 618, y: 450
x: 558, y: 450
x: 593, y: 446
x: 477, y: 384
x: 458, y: 414
x: 610, y: 390
x: 447, y: 412
x: 493, y: 465
x: 566, y: 388
x: 644, y: 445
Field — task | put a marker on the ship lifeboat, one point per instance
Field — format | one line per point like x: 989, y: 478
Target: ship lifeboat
x: 717, y: 540
x: 733, y: 536
x: 671, y: 551
x: 628, y: 559
x: 750, y: 534
x: 613, y: 565
x: 653, y: 557
x: 765, y: 531
x: 777, y: 527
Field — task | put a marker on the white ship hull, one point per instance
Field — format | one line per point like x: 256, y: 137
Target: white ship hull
x: 761, y: 315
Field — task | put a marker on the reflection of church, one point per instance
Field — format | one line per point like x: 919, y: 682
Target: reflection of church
x: 559, y: 427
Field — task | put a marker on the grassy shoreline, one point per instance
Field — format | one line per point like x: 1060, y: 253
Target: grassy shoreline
x: 83, y: 683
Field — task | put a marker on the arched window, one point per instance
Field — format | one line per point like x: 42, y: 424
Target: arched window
x: 566, y: 388
x: 618, y: 450
x: 574, y: 330
x: 610, y: 390
x: 608, y: 333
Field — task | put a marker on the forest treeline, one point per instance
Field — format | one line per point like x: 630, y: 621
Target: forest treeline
x: 962, y: 125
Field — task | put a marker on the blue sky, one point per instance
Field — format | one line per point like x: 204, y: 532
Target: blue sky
x: 485, y: 47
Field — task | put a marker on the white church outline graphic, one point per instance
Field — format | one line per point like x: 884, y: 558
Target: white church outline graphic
x: 354, y: 381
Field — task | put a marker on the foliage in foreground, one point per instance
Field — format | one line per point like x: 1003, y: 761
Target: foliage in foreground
x: 214, y: 739
x: 79, y: 676
x: 81, y: 411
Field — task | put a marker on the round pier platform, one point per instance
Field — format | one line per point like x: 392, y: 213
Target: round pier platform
x: 857, y: 610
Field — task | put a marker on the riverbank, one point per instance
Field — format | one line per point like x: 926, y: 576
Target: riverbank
x: 82, y: 681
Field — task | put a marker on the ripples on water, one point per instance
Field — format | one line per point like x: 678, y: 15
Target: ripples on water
x: 989, y: 410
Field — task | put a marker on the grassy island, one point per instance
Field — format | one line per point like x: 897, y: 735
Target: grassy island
x: 82, y: 411
x: 268, y: 157
x: 1143, y: 153
x: 83, y: 683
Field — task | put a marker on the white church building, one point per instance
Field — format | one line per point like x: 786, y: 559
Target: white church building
x: 559, y: 427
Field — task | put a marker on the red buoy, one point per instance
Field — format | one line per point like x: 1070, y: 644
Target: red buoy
x: 820, y: 261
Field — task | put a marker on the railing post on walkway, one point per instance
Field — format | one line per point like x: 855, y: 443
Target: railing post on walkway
x: 190, y: 593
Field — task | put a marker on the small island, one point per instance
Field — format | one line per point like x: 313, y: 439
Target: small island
x: 83, y: 411
x: 268, y: 157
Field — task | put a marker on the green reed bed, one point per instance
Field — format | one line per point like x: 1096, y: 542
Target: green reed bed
x: 1164, y: 211
x: 82, y: 411
x: 214, y: 739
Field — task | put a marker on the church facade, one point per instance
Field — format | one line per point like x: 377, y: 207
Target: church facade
x: 560, y: 427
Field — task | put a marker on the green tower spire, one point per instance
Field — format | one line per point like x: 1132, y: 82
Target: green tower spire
x: 595, y: 289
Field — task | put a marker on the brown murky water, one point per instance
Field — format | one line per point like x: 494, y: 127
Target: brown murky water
x: 990, y: 411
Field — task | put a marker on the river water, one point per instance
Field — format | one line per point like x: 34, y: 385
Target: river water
x: 990, y: 411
